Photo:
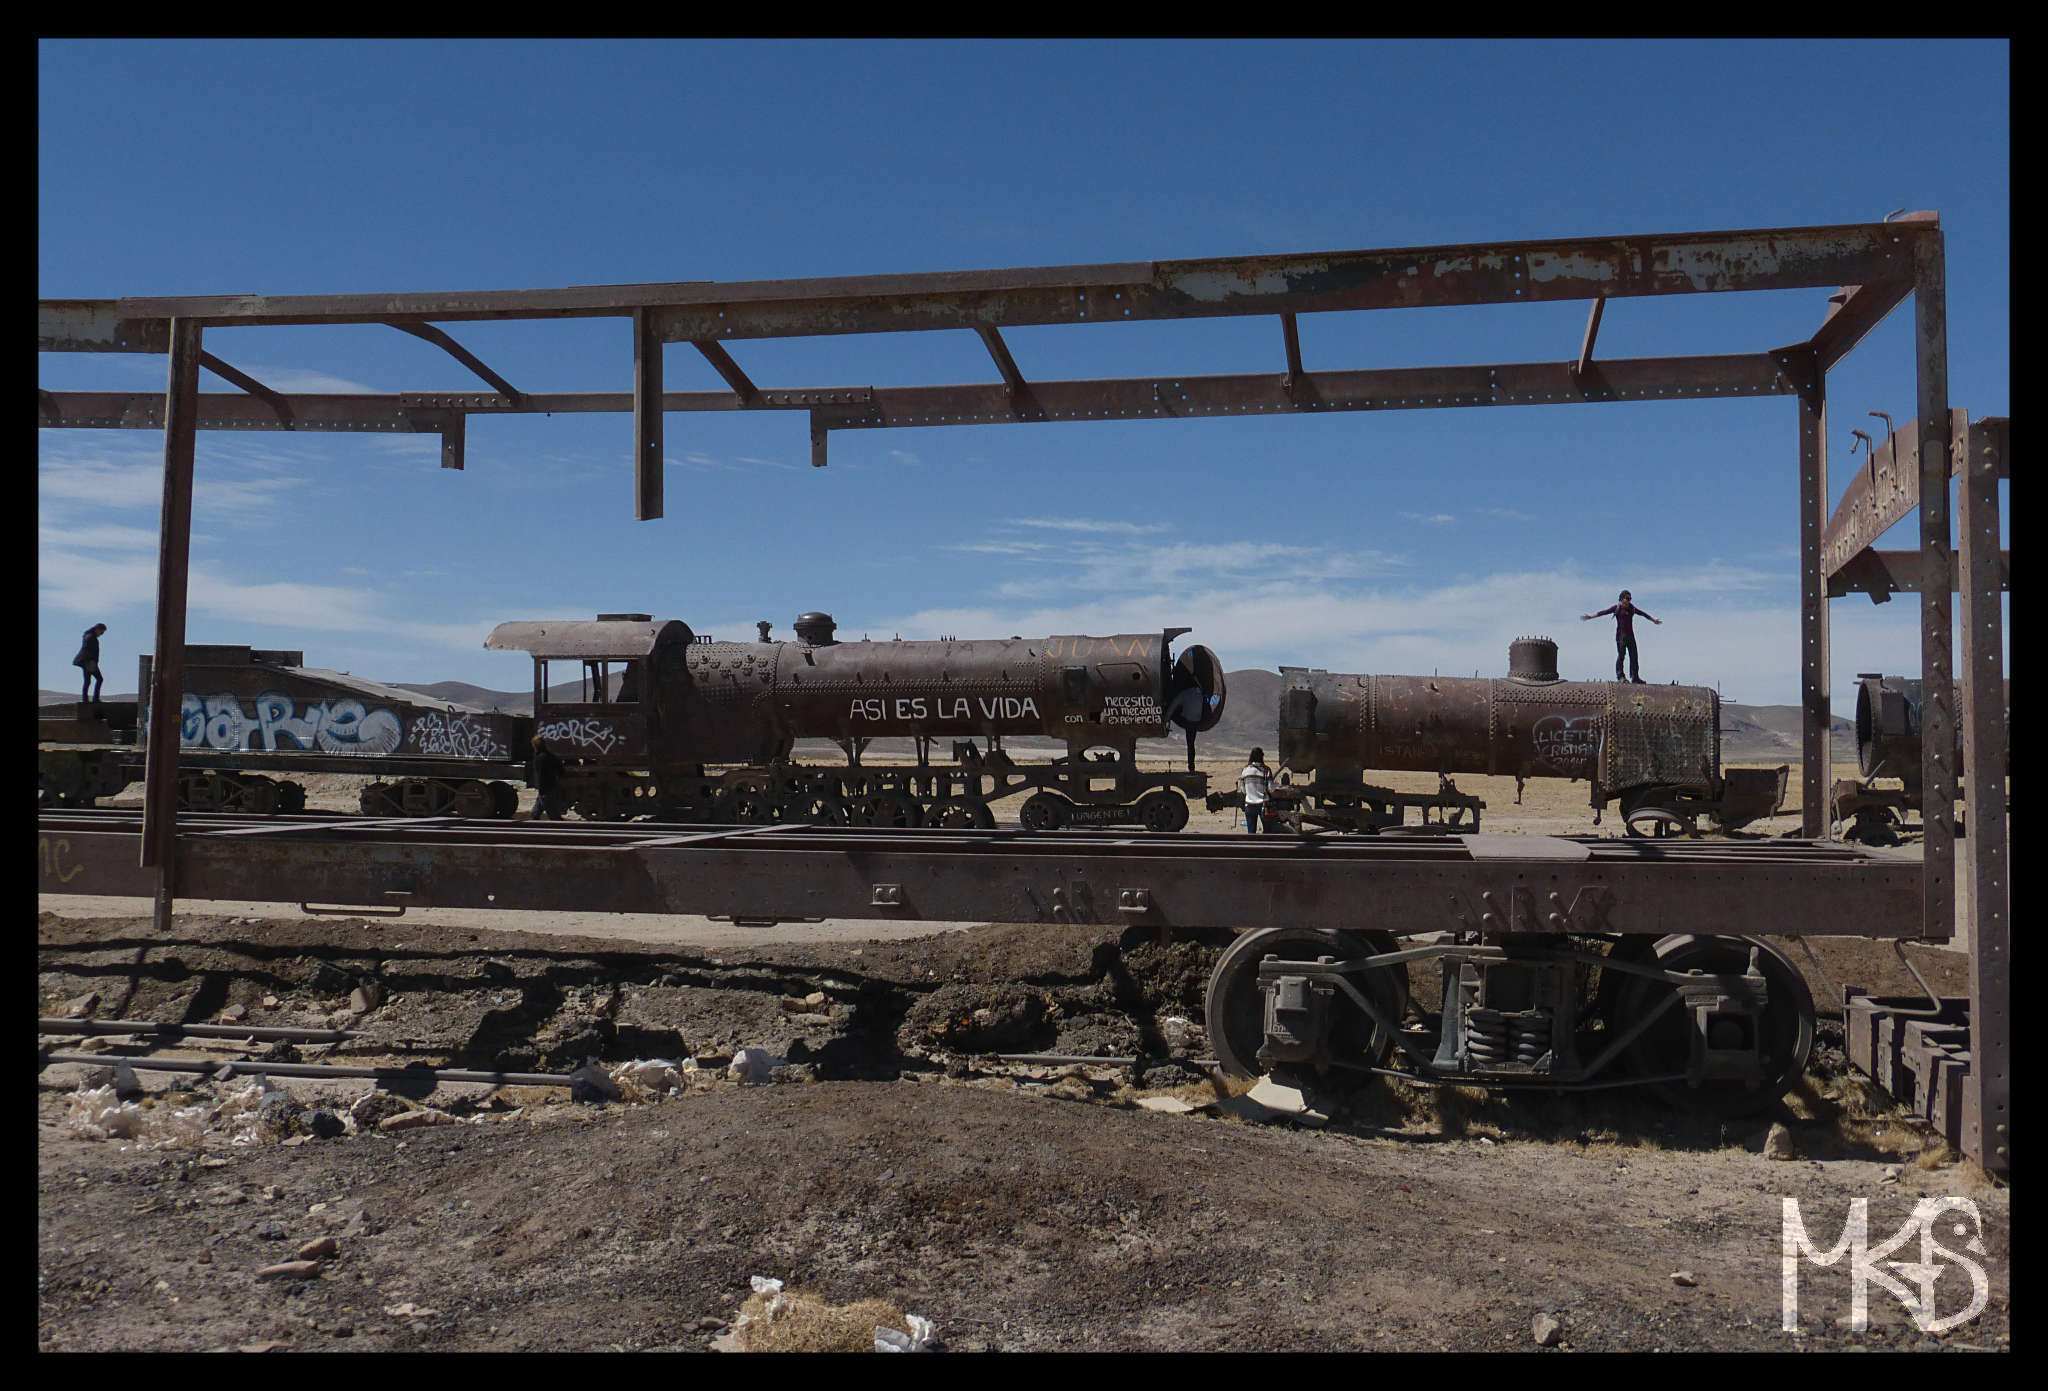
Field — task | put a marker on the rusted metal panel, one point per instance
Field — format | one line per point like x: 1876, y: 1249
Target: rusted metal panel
x: 571, y: 637
x: 234, y: 701
x: 1986, y: 700
x: 97, y: 326
x: 1884, y: 491
x: 1008, y: 876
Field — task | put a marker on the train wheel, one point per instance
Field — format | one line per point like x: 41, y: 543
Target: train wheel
x: 1782, y: 1035
x: 1160, y: 810
x: 504, y: 800
x: 812, y: 809
x: 1235, y: 1008
x: 1043, y: 812
x: 892, y: 809
x: 1659, y: 823
x: 379, y: 799
x: 748, y: 806
x: 471, y: 802
x: 291, y: 797
x: 960, y: 813
x: 257, y: 795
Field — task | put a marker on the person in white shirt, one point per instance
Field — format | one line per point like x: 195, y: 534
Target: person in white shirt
x: 1254, y: 783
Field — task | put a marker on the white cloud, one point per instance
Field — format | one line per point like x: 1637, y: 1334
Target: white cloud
x: 97, y: 538
x: 1430, y: 518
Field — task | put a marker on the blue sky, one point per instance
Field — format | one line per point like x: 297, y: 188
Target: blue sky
x: 1388, y: 541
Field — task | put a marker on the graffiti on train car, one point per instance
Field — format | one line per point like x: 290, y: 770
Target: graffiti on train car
x: 1568, y: 744
x: 451, y: 733
x: 331, y: 726
x: 584, y: 734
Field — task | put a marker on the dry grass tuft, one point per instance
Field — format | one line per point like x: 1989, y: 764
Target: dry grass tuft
x: 806, y: 1323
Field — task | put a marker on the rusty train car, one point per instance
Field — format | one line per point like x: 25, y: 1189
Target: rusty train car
x: 254, y: 719
x: 651, y: 721
x: 666, y: 725
x: 1654, y: 750
x: 1889, y: 747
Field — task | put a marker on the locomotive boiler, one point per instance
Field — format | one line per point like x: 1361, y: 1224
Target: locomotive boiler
x: 1889, y: 713
x: 665, y: 724
x: 1656, y: 750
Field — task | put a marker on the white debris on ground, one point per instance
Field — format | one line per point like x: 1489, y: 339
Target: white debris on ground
x: 753, y: 1065
x: 777, y: 1320
x: 249, y: 1112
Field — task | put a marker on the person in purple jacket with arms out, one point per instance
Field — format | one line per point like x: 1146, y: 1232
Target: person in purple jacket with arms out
x: 1624, y: 635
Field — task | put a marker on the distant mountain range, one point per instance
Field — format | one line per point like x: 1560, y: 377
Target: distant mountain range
x: 1749, y: 733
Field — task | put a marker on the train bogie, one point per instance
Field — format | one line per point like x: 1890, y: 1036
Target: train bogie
x: 1723, y: 1024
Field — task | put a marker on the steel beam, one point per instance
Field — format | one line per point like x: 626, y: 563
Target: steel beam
x: 1493, y: 273
x: 992, y: 339
x: 440, y: 339
x: 237, y: 377
x: 1290, y: 338
x: 1816, y: 771
x: 174, y: 551
x: 1880, y: 574
x: 1592, y: 335
x: 1859, y: 309
x: 1980, y: 456
x: 1183, y: 881
x: 720, y: 359
x: 1937, y: 718
x: 1129, y: 398
x: 647, y: 411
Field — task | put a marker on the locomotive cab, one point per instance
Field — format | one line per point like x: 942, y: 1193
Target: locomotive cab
x: 593, y: 683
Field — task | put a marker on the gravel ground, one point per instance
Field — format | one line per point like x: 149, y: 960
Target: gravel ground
x: 1019, y: 1207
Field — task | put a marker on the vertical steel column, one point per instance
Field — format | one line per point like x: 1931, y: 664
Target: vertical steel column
x: 1816, y: 777
x: 1987, y: 1135
x: 167, y: 668
x: 1937, y: 717
x: 646, y: 417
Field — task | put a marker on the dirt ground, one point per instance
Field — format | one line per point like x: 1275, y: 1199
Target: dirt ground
x: 1019, y: 1206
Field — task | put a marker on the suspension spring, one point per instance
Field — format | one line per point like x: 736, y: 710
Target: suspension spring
x: 1486, y: 1036
x: 1529, y: 1035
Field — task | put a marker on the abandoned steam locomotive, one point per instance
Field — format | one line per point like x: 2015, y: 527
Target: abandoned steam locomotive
x: 652, y: 721
x: 692, y: 730
x: 1654, y: 749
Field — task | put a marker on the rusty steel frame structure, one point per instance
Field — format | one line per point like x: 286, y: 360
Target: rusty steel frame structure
x: 1873, y: 267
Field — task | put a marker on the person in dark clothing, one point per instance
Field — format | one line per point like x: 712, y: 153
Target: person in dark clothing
x: 1188, y: 708
x: 546, y: 775
x: 1624, y: 635
x: 88, y: 660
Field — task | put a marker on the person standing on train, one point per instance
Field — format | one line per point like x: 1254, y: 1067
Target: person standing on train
x: 1624, y: 635
x: 88, y: 660
x: 1187, y: 709
x: 1255, y: 785
x: 546, y: 773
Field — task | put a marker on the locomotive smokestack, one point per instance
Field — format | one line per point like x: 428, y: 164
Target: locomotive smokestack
x: 1532, y: 659
x: 815, y: 629
x: 764, y: 625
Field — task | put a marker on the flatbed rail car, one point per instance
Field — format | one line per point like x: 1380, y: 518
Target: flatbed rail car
x: 1564, y: 963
